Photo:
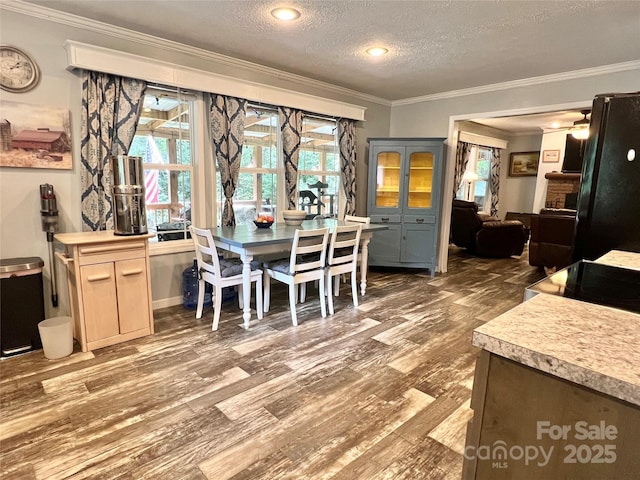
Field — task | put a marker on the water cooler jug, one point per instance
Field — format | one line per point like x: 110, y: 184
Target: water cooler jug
x: 128, y: 195
x: 190, y: 279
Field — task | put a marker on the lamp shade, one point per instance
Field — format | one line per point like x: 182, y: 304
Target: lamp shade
x: 469, y: 176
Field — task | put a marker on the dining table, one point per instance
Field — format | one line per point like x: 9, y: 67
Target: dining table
x: 249, y: 241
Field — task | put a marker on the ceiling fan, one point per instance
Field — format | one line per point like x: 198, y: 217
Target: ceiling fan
x: 580, y: 129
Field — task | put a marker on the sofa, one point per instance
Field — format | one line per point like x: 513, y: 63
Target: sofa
x: 551, y: 243
x: 485, y: 235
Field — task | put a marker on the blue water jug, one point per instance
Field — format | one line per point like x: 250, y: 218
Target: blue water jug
x: 190, y: 288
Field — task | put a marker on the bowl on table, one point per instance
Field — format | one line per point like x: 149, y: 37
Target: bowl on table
x: 263, y: 221
x: 294, y: 218
x: 263, y: 224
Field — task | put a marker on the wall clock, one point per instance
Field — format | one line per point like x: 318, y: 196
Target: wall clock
x: 18, y: 72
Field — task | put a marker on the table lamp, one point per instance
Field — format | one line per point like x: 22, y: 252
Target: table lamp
x: 469, y: 176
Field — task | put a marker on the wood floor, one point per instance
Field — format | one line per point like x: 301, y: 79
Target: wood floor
x: 377, y: 392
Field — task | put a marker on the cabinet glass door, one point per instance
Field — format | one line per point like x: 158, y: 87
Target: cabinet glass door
x: 388, y: 180
x: 420, y: 179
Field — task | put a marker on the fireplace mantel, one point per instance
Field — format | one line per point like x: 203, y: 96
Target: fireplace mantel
x: 570, y: 177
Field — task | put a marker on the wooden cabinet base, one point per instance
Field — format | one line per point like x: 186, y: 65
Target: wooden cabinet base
x: 531, y: 425
x: 110, y: 287
x: 105, y: 342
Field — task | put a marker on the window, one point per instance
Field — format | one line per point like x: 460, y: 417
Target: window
x: 260, y: 186
x: 475, y: 180
x: 164, y: 139
x: 319, y: 167
x: 257, y: 188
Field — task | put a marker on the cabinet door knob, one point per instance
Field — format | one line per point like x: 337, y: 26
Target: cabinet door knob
x: 126, y: 273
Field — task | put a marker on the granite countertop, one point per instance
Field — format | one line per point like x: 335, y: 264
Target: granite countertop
x: 591, y: 345
x: 619, y: 258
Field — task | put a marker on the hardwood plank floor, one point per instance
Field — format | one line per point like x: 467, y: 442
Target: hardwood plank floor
x: 376, y: 392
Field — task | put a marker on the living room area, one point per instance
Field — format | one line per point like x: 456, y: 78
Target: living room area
x: 539, y: 170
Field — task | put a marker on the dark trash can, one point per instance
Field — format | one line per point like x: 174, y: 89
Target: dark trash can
x: 21, y: 305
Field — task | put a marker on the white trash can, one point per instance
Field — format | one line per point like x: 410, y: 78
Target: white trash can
x: 57, y: 337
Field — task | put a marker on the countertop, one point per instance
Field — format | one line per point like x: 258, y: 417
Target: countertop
x: 79, y: 238
x: 588, y: 344
x: 591, y: 345
x: 618, y: 258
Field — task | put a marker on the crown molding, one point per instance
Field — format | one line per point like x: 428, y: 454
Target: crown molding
x: 45, y: 13
x: 525, y: 82
x: 100, y: 59
x: 76, y: 21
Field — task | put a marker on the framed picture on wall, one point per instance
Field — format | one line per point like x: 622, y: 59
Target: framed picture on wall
x: 550, y: 156
x: 34, y: 136
x: 523, y: 164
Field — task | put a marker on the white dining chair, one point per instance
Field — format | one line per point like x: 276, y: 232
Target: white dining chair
x: 355, y: 219
x: 220, y: 273
x: 306, y: 263
x: 343, y: 258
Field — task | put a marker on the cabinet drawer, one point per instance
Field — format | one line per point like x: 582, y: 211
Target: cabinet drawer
x: 386, y: 218
x: 98, y: 248
x: 109, y: 252
x: 419, y: 219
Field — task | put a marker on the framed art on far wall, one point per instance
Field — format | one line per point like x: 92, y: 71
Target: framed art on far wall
x: 550, y: 156
x: 523, y: 164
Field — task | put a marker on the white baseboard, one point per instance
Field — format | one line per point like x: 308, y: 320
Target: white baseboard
x: 166, y: 302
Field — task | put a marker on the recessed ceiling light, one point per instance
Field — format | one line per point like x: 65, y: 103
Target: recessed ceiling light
x: 377, y: 51
x: 555, y: 125
x: 285, y: 13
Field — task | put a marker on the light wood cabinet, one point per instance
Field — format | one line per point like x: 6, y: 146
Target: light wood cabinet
x: 109, y: 285
x: 404, y: 193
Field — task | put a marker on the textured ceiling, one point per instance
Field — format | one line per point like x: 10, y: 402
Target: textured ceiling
x: 536, y: 123
x: 435, y: 46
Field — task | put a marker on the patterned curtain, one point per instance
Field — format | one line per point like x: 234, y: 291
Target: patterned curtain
x: 226, y: 118
x: 463, y: 152
x: 291, y: 128
x: 110, y: 113
x: 494, y: 180
x: 347, y: 142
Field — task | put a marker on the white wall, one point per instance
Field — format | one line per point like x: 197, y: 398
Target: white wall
x: 550, y: 141
x: 431, y: 118
x: 21, y: 235
x: 517, y: 193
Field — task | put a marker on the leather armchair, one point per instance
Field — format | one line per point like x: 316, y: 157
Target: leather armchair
x: 485, y: 235
x: 551, y: 242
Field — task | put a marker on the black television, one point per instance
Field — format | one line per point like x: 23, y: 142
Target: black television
x: 573, y: 153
